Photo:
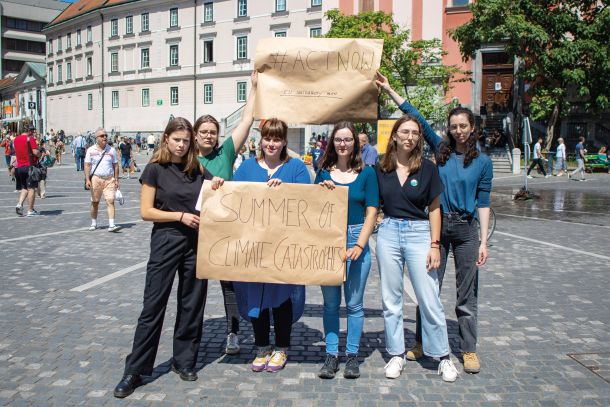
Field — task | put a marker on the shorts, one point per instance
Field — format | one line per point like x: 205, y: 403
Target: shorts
x: 22, y: 178
x: 102, y: 185
x: 125, y: 161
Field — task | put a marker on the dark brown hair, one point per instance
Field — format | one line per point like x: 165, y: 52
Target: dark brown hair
x: 329, y: 159
x: 275, y: 128
x: 448, y: 147
x: 206, y: 118
x: 388, y: 164
x: 164, y: 156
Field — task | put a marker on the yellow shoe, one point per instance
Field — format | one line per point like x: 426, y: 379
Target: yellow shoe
x: 260, y: 362
x: 416, y: 352
x: 471, y: 362
x: 277, y: 361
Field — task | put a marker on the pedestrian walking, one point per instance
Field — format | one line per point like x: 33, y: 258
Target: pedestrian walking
x: 258, y: 300
x: 125, y: 148
x: 580, y: 160
x: 171, y: 183
x: 138, y: 141
x: 79, y: 146
x: 342, y: 165
x: 538, y: 159
x: 102, y: 178
x: 219, y: 160
x: 26, y: 154
x: 561, y: 158
x: 467, y: 176
x: 150, y: 141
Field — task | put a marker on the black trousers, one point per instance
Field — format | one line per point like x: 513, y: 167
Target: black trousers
x: 282, y: 325
x: 540, y: 166
x: 230, y: 301
x: 171, y: 250
x: 462, y: 237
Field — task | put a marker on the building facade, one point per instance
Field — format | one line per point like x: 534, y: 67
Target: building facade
x: 21, y: 27
x: 23, y: 97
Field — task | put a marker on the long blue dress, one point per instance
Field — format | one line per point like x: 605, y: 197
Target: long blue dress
x: 252, y: 298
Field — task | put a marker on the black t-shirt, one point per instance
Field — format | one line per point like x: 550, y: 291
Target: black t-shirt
x: 410, y: 200
x: 176, y: 190
x: 125, y: 149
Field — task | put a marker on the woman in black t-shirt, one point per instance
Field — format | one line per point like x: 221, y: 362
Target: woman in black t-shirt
x: 171, y: 183
x: 410, y: 188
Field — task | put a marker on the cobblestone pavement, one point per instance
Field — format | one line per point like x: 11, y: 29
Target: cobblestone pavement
x: 544, y: 328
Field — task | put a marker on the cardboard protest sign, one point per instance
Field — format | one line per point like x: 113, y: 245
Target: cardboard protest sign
x: 317, y: 80
x: 294, y: 233
x: 384, y: 131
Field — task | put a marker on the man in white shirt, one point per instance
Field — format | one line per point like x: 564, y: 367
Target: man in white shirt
x: 537, y: 159
x: 102, y: 177
x: 151, y: 143
x: 561, y: 158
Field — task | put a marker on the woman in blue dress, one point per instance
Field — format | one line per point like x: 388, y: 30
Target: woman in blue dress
x: 257, y: 301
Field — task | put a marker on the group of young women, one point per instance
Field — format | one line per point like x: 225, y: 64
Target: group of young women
x: 428, y: 210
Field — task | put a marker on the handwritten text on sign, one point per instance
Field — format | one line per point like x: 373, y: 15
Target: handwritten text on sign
x: 289, y: 234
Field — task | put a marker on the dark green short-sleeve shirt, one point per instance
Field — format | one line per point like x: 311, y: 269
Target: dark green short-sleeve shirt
x: 220, y: 161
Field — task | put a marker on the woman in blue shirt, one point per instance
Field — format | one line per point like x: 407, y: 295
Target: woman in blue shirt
x: 467, y: 176
x: 257, y: 300
x: 342, y: 165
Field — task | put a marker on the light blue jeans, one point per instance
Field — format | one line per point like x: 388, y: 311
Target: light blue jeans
x: 357, y: 274
x: 401, y: 242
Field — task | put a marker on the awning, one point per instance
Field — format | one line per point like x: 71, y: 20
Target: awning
x: 11, y: 120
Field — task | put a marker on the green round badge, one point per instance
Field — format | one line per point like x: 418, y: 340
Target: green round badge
x: 413, y: 182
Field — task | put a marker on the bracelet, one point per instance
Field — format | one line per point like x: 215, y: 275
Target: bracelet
x: 181, y: 216
x: 357, y: 245
x: 438, y: 242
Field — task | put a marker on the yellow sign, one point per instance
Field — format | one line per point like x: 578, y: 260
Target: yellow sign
x: 384, y: 131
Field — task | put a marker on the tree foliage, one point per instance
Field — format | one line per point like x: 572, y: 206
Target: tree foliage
x: 564, y: 46
x: 414, y: 69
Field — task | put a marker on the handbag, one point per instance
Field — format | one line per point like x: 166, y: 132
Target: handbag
x: 36, y: 172
x: 93, y: 172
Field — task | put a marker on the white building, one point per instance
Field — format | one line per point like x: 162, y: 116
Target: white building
x: 129, y: 65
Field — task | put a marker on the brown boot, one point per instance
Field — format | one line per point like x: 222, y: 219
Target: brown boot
x: 416, y: 352
x: 471, y: 362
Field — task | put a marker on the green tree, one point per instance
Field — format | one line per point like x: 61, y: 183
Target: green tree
x: 413, y: 68
x: 563, y: 46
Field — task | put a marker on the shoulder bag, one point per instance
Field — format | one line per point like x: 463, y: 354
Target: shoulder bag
x: 36, y: 172
x: 96, y: 165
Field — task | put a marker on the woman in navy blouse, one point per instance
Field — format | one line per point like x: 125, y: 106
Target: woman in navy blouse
x: 342, y: 165
x: 257, y: 300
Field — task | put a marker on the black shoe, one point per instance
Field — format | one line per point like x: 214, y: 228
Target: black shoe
x: 127, y: 385
x: 331, y: 366
x: 352, y: 369
x: 187, y: 375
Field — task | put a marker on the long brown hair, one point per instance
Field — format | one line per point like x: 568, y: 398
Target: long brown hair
x: 164, y: 156
x: 388, y: 164
x: 275, y: 128
x: 448, y: 147
x: 207, y: 118
x: 329, y: 159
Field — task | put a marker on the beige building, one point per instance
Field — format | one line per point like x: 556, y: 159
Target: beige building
x: 130, y: 65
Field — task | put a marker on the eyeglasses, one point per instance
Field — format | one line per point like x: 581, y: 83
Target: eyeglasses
x: 405, y: 134
x: 348, y: 140
x: 207, y: 132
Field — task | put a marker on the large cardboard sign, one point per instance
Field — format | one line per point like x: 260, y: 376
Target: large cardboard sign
x: 317, y: 80
x: 293, y: 234
x: 384, y: 131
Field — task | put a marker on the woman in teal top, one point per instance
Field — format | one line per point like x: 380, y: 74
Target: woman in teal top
x: 219, y: 160
x: 342, y: 165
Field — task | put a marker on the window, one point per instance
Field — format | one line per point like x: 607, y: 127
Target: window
x: 173, y: 55
x: 173, y: 95
x: 129, y: 25
x: 115, y: 99
x: 145, y: 97
x: 207, y: 93
x: 241, y: 91
x: 59, y: 73
x: 208, y: 51
x: 280, y: 5
x: 315, y: 3
x: 242, y: 8
x: 459, y: 3
x: 366, y: 6
x: 89, y: 34
x: 50, y: 74
x: 69, y: 71
x: 280, y: 33
x: 50, y: 46
x: 114, y: 62
x: 68, y: 40
x: 173, y: 17
x: 315, y: 32
x: 208, y: 12
x: 145, y: 58
x: 89, y: 66
x: 78, y: 37
x: 144, y: 22
x: 59, y: 47
x: 89, y: 101
x: 114, y: 27
x: 242, y: 47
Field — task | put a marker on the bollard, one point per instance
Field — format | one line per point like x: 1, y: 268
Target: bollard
x: 516, y: 161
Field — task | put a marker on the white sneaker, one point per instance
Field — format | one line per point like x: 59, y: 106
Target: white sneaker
x: 394, y: 367
x: 232, y: 347
x: 547, y: 176
x: 33, y: 213
x: 447, y: 370
x: 19, y: 210
x: 92, y: 228
x: 114, y: 229
x: 530, y: 177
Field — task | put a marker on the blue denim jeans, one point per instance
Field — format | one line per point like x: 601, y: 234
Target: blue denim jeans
x: 403, y: 242
x: 355, y: 282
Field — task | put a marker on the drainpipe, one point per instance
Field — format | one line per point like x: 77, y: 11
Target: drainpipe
x: 103, y: 68
x: 195, y: 62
